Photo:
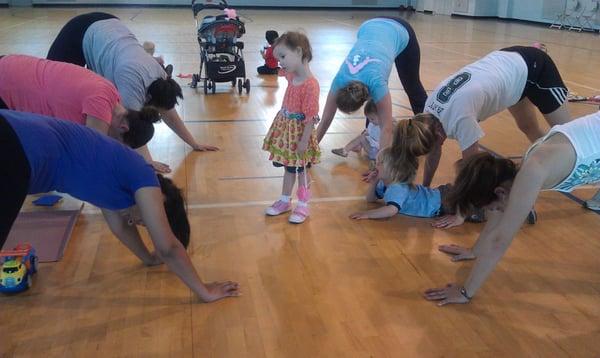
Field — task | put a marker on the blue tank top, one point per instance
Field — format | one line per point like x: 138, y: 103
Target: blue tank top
x: 79, y: 161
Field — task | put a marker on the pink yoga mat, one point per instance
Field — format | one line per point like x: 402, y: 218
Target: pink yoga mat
x: 47, y: 231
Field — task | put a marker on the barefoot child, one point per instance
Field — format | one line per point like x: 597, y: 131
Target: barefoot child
x: 368, y: 140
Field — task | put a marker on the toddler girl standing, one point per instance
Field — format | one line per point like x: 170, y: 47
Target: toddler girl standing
x: 291, y: 140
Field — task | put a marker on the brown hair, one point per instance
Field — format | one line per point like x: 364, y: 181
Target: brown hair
x: 293, y: 40
x: 477, y: 178
x: 370, y: 107
x: 411, y: 140
x: 352, y: 96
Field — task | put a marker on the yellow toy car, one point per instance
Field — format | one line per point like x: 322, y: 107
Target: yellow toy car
x: 18, y: 267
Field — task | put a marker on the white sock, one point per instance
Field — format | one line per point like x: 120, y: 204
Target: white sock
x: 285, y: 198
x: 302, y: 203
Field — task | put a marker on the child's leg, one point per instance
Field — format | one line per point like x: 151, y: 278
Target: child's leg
x: 284, y: 203
x: 301, y: 211
x: 355, y: 145
x: 289, y: 179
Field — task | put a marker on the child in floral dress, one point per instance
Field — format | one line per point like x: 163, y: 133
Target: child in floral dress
x: 291, y: 140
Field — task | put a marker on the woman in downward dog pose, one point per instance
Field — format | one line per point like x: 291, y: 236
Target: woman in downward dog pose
x: 564, y: 159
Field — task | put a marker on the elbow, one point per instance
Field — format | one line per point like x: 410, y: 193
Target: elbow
x: 169, y: 251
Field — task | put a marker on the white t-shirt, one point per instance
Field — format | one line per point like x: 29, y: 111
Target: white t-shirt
x: 373, y: 134
x: 584, y: 135
x: 477, y: 92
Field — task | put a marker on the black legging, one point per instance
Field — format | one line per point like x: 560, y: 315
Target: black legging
x: 68, y: 45
x: 14, y: 178
x: 408, y: 63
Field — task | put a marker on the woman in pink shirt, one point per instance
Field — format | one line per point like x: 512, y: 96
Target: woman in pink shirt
x: 73, y: 93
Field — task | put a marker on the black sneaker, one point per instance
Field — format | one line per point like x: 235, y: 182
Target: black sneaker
x: 477, y: 217
x: 532, y: 217
x: 169, y: 71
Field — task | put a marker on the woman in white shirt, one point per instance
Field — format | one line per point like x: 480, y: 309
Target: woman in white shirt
x: 516, y: 78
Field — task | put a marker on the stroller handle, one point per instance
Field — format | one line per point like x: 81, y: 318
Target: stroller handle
x: 196, y: 8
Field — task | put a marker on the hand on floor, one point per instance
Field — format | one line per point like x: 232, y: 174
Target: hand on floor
x: 446, y: 295
x: 359, y: 215
x: 161, y: 167
x: 448, y: 221
x: 458, y: 253
x: 205, y: 148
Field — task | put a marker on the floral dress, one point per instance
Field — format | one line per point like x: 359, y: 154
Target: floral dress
x: 300, y: 103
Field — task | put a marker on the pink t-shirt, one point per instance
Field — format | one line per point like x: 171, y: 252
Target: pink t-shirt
x: 55, y: 89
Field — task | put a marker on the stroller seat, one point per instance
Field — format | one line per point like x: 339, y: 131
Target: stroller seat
x: 221, y: 56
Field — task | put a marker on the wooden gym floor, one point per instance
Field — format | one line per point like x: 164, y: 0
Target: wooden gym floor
x: 331, y: 287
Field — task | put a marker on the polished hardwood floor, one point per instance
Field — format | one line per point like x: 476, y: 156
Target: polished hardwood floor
x: 331, y: 287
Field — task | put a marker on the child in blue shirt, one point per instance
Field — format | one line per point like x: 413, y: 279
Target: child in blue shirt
x: 397, y: 167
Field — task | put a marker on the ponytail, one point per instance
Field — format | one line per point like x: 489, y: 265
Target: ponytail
x: 141, y: 128
x: 412, y: 139
x: 352, y: 96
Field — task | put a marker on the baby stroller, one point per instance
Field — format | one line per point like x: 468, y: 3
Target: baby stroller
x: 221, y: 57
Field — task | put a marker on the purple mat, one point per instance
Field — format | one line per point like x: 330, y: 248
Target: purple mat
x: 47, y: 231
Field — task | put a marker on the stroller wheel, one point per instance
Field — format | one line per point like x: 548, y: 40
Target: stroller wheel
x: 214, y: 86
x: 194, y: 83
x: 247, y: 85
x: 205, y: 86
x: 240, y: 86
x: 233, y: 81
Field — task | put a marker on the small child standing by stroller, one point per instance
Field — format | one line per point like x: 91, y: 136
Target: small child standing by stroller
x: 271, y: 66
x: 368, y: 140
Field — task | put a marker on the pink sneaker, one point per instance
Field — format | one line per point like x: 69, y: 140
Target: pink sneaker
x: 279, y: 207
x: 299, y: 215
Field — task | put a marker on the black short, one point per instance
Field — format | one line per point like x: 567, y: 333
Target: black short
x: 68, y: 45
x: 544, y: 88
x: 292, y: 170
x: 14, y: 178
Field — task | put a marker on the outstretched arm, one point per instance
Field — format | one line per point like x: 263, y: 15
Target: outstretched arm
x: 327, y: 117
x: 459, y: 253
x: 172, y: 252
x: 384, y: 110
x: 525, y: 190
x: 129, y: 236
x: 172, y: 119
x: 431, y: 163
x: 379, y: 213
